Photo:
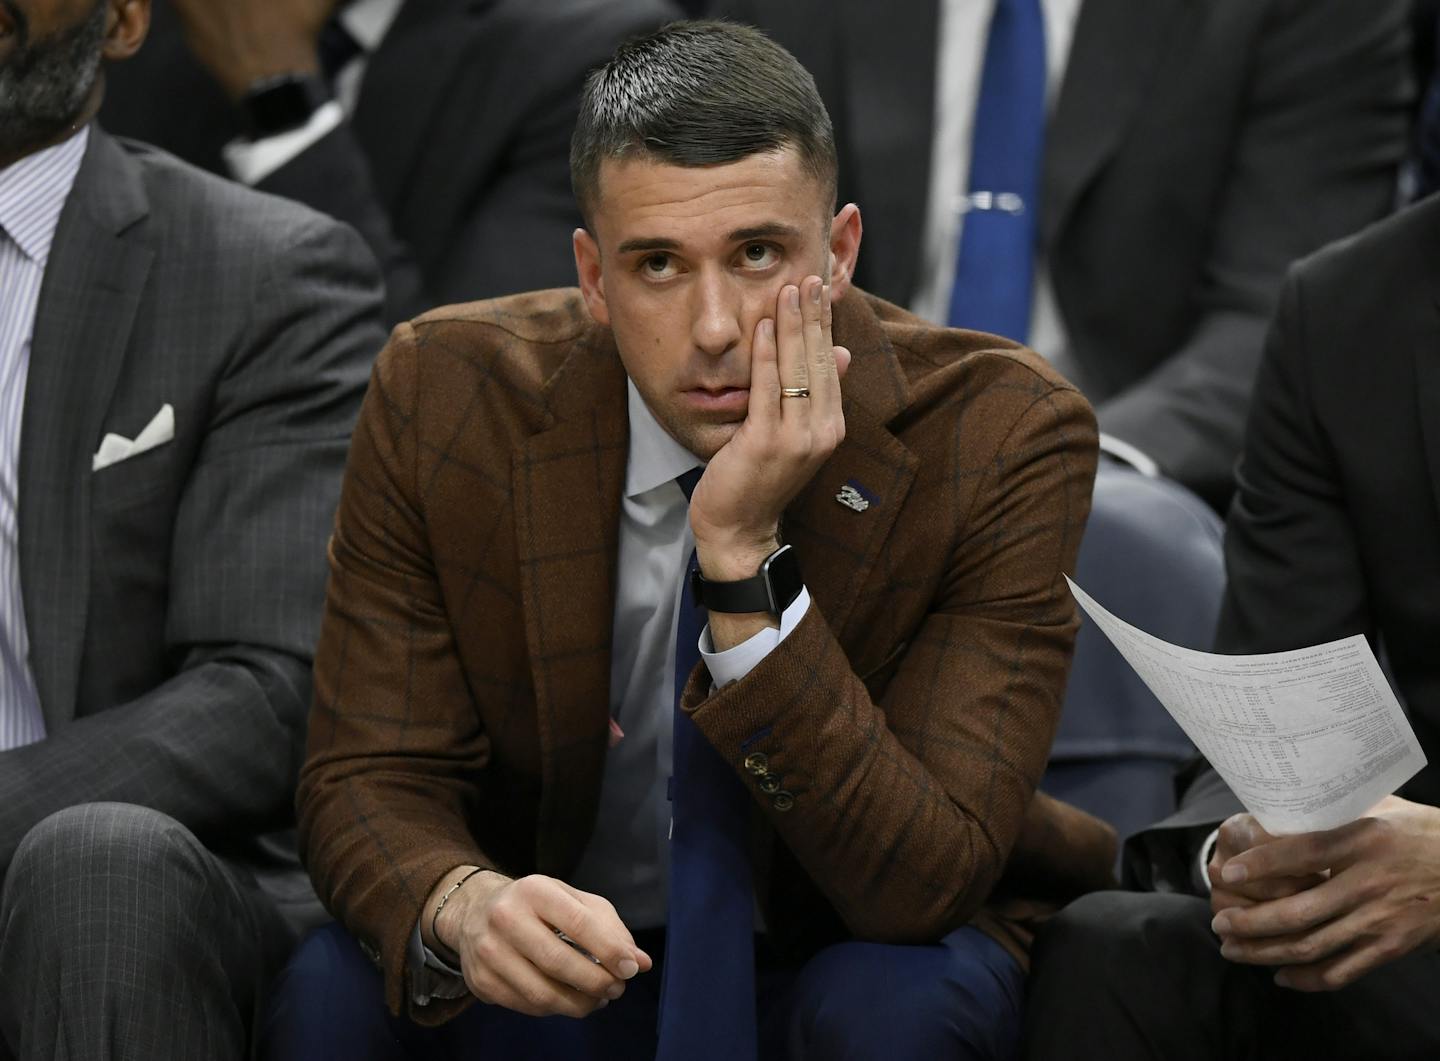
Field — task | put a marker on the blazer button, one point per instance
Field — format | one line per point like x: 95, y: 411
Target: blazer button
x: 769, y: 784
x: 783, y: 801
x: 757, y: 764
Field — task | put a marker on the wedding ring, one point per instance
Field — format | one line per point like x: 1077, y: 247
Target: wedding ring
x: 794, y: 392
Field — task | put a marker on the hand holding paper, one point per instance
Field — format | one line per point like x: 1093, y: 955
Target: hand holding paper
x: 1373, y: 895
x: 1309, y: 740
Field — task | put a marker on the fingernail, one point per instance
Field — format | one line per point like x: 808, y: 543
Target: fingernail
x: 815, y: 294
x: 1229, y: 950
x: 614, y: 992
x: 794, y: 298
x: 1282, y: 979
x: 769, y: 328
x: 1233, y: 873
x: 628, y: 968
x: 1221, y: 925
x: 603, y: 1003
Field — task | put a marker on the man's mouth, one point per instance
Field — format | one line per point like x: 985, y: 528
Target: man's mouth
x: 719, y: 399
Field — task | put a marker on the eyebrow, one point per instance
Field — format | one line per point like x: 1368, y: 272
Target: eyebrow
x: 769, y: 230
x: 649, y: 243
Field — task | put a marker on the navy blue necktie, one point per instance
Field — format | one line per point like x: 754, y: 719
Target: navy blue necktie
x: 707, y: 1005
x: 995, y: 265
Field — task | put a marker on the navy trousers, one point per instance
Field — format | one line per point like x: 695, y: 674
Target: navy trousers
x: 957, y: 999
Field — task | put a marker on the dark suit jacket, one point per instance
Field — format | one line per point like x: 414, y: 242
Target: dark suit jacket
x: 1197, y: 148
x: 455, y: 167
x: 462, y: 676
x: 173, y: 598
x: 1336, y: 527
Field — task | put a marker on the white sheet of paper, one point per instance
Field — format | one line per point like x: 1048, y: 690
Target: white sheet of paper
x: 1307, y: 739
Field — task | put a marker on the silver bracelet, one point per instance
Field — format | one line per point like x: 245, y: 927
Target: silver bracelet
x: 434, y: 932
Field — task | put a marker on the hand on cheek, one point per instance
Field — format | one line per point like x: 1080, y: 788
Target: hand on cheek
x: 735, y: 511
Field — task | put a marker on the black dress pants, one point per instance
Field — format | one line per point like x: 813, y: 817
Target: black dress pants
x: 1121, y: 975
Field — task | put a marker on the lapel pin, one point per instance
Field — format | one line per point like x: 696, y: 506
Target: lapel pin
x: 854, y: 496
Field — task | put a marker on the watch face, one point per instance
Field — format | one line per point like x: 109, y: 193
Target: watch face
x: 782, y: 574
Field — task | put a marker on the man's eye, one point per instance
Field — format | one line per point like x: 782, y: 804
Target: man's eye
x: 759, y: 255
x: 657, y: 265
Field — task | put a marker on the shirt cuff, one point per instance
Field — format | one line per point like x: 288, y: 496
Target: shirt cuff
x: 251, y: 161
x: 1207, y: 851
x: 1131, y: 455
x: 734, y: 663
x: 430, y: 975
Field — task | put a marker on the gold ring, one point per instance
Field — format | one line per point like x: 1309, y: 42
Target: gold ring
x: 794, y: 392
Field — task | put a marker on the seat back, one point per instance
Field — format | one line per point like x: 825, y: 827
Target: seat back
x: 1152, y: 555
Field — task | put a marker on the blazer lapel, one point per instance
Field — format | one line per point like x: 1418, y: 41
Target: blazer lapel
x: 888, y: 73
x: 93, y: 283
x: 838, y: 546
x: 405, y: 85
x: 568, y: 484
x: 1115, y: 55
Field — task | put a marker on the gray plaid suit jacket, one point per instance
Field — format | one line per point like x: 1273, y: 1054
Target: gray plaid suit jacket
x: 173, y: 598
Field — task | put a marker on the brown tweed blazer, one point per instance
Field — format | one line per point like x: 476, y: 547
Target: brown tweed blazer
x: 462, y: 677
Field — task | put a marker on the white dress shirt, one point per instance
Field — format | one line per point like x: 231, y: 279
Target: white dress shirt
x: 367, y: 21
x: 964, y: 30
x: 33, y: 192
x: 627, y: 858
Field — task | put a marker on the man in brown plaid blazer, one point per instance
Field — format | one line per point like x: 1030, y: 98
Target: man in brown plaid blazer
x: 490, y: 744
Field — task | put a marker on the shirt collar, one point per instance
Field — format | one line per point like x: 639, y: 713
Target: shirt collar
x: 369, y: 20
x: 655, y: 457
x: 33, y: 193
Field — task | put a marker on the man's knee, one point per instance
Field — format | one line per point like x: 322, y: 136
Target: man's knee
x: 1108, y: 934
x: 957, y: 999
x: 110, y: 858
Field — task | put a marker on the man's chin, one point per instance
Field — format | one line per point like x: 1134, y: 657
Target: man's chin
x: 705, y: 440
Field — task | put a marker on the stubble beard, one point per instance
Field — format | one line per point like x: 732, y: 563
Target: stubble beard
x: 45, y: 84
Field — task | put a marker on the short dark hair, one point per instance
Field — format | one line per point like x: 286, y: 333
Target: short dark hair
x: 700, y: 93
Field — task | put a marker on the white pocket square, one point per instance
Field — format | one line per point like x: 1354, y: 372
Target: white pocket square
x: 116, y: 448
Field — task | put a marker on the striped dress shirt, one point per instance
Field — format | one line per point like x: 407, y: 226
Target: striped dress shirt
x: 32, y: 194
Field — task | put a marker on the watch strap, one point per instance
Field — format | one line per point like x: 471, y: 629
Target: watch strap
x: 280, y: 104
x: 773, y: 589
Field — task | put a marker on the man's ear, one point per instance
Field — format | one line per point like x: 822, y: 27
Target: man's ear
x: 587, y: 269
x: 845, y: 233
x: 125, y: 28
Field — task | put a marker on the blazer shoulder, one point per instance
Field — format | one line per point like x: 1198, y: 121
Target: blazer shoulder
x: 191, y: 208
x: 1397, y: 249
x: 974, y: 365
x: 511, y: 353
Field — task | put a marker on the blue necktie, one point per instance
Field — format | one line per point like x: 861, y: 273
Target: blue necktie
x: 995, y: 266
x: 707, y: 1005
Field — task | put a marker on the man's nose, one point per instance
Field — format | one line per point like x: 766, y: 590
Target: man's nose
x: 715, y: 314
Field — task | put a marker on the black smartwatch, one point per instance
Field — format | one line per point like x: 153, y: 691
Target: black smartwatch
x: 280, y: 104
x: 772, y: 590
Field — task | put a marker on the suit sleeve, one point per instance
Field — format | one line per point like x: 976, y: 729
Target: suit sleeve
x: 1294, y: 574
x: 1314, y: 158
x: 387, y: 660
x: 218, y: 745
x: 905, y: 811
